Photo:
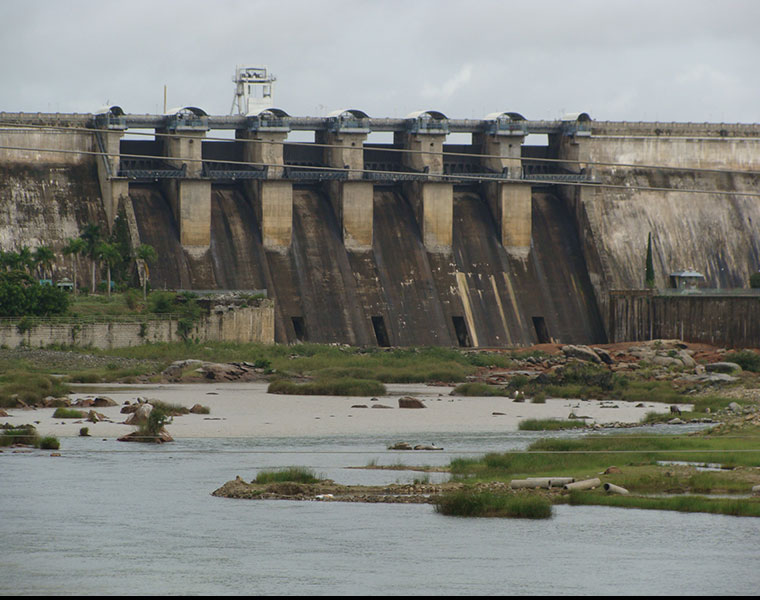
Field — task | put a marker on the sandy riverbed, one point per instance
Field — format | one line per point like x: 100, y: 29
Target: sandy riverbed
x: 245, y: 409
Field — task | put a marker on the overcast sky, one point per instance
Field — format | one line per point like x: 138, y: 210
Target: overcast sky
x: 690, y: 60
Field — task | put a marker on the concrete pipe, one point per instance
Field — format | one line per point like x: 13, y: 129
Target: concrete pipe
x: 542, y: 482
x: 560, y: 481
x: 614, y: 489
x: 586, y: 484
x: 524, y: 483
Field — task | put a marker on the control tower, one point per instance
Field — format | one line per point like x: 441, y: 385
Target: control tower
x: 254, y: 90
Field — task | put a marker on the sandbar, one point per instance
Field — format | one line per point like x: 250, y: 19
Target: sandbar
x: 247, y: 410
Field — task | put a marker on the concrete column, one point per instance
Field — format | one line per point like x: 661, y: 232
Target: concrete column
x: 190, y: 200
x: 420, y: 145
x: 433, y: 205
x: 264, y: 147
x: 273, y: 205
x: 345, y: 150
x: 352, y: 200
x: 111, y: 187
x: 503, y: 152
x: 185, y: 148
x: 354, y: 205
x: 511, y: 206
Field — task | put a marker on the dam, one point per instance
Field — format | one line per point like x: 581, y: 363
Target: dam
x: 499, y: 242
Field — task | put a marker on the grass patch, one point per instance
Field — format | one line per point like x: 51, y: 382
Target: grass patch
x: 738, y: 507
x: 470, y: 503
x: 550, y: 424
x: 480, y: 389
x: 68, y: 413
x: 330, y: 387
x: 289, y: 474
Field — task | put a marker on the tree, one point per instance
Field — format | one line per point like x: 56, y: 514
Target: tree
x: 144, y: 255
x: 92, y: 238
x: 43, y: 259
x: 25, y: 258
x: 649, y: 277
x: 111, y: 255
x: 74, y: 248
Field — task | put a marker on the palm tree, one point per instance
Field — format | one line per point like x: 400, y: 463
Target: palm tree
x: 74, y: 248
x: 109, y: 253
x: 92, y: 237
x: 144, y: 255
x: 43, y: 259
x: 25, y: 258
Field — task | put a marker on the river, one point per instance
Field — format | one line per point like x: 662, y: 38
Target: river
x: 113, y: 518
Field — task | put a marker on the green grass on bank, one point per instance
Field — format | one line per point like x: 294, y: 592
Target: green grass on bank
x: 636, y: 457
x: 740, y: 507
x: 30, y: 388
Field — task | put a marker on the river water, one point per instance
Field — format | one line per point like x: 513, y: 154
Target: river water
x: 113, y: 518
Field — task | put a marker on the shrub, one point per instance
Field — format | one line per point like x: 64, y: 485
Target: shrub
x: 84, y: 432
x: 469, y: 503
x: 289, y: 474
x: 49, y: 443
x: 157, y: 420
x: 754, y: 280
x: 746, y: 359
x: 67, y: 413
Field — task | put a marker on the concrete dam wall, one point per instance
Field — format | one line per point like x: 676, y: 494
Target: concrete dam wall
x: 412, y: 243
x: 395, y: 293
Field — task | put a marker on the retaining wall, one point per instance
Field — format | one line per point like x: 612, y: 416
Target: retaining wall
x: 719, y: 319
x: 250, y: 324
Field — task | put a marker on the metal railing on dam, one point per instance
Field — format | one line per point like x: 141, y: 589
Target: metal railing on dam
x: 306, y: 123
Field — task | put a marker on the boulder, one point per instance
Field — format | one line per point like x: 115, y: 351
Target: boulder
x: 198, y: 409
x: 95, y: 417
x: 581, y: 353
x: 381, y: 406
x: 102, y: 401
x: 400, y: 446
x: 162, y: 437
x: 426, y: 447
x: 409, y: 402
x: 605, y: 356
x: 735, y: 407
x: 140, y: 415
x: 358, y: 406
x: 666, y: 361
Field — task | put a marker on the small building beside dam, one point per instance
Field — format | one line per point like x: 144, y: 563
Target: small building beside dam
x: 512, y: 237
